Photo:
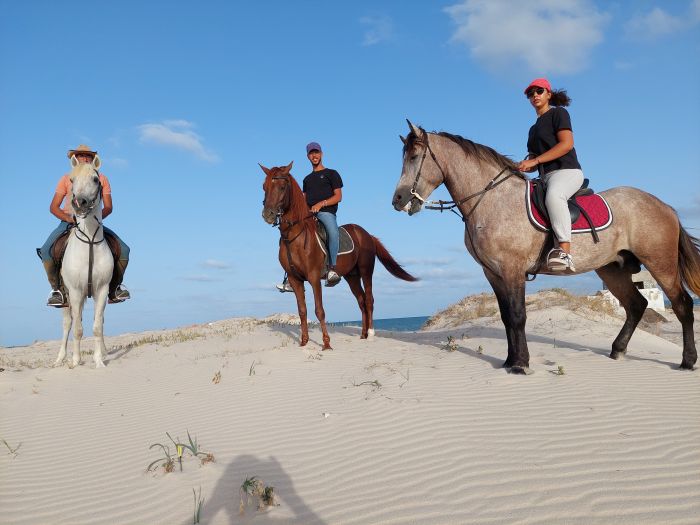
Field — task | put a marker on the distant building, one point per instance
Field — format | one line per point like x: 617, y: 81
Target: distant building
x: 647, y: 287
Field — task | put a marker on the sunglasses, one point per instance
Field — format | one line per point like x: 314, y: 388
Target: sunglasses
x: 537, y: 90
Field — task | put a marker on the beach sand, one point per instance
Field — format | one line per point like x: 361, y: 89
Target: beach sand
x: 423, y: 428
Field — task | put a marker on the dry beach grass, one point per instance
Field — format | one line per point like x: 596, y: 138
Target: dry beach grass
x: 403, y: 428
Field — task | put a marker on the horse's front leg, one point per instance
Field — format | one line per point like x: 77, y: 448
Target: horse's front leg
x: 67, y: 321
x: 320, y: 312
x: 98, y: 327
x: 76, y: 308
x: 298, y: 287
x: 510, y: 292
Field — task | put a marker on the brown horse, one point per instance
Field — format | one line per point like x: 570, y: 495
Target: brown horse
x: 303, y: 260
x: 490, y: 194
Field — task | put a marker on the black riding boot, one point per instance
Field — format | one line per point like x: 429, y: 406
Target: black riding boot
x: 117, y: 292
x: 58, y: 297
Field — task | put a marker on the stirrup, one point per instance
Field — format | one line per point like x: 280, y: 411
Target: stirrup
x: 332, y: 278
x: 284, y: 287
x: 56, y: 299
x: 120, y: 295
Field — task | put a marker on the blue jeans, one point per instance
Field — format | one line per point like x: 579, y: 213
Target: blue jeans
x: 62, y: 227
x: 331, y: 224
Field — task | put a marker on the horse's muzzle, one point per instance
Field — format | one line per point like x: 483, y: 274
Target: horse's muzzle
x: 269, y: 215
x: 403, y: 201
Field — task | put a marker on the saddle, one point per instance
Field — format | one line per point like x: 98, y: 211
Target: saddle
x: 346, y: 243
x: 58, y: 248
x: 589, y: 211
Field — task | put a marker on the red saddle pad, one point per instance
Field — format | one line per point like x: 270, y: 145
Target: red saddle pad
x: 595, y: 205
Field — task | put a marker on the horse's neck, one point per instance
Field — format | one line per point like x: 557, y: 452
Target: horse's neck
x: 89, y: 228
x: 466, y: 176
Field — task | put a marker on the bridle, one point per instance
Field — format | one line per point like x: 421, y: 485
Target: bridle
x: 286, y: 225
x: 453, y: 205
x: 82, y: 236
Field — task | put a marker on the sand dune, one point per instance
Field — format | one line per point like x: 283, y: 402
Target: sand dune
x: 421, y: 428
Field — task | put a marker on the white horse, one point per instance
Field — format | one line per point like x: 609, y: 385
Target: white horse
x: 87, y: 263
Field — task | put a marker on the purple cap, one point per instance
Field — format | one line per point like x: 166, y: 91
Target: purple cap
x: 312, y: 146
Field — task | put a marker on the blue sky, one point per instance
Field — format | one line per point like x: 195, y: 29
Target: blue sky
x: 183, y: 99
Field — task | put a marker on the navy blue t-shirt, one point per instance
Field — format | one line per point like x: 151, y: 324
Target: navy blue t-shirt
x: 320, y: 185
x: 543, y: 137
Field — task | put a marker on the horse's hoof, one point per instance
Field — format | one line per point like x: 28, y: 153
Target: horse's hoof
x: 99, y: 364
x: 520, y: 370
x: 687, y: 366
x: 617, y: 355
x: 363, y: 336
x: 327, y: 347
x: 370, y: 333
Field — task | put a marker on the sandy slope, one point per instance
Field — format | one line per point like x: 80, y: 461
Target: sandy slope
x: 395, y: 430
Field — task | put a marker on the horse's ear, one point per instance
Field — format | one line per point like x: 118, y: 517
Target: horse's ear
x: 96, y: 162
x: 403, y: 139
x: 288, y: 167
x: 267, y: 171
x: 414, y: 129
x: 74, y: 161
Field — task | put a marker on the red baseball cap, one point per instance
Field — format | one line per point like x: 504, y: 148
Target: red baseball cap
x: 539, y: 82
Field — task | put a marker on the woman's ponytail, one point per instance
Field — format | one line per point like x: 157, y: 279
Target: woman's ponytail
x: 559, y: 98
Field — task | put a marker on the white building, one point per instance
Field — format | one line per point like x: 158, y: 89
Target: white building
x: 647, y: 287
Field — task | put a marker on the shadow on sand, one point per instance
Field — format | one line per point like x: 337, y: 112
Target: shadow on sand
x: 222, y: 505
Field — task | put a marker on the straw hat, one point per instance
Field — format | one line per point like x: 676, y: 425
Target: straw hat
x: 81, y: 149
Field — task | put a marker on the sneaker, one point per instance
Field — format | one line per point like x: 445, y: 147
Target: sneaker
x: 332, y: 278
x: 560, y: 261
x: 285, y: 287
x: 121, y: 294
x: 56, y: 299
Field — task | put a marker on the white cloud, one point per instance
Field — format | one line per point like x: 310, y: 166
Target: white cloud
x: 213, y: 263
x: 178, y: 134
x: 201, y: 278
x: 658, y: 23
x: 548, y: 36
x: 378, y: 29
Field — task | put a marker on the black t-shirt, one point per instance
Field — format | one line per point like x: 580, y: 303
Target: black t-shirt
x: 543, y: 137
x: 320, y: 185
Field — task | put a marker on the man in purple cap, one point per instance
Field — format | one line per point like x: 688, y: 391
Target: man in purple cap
x: 323, y: 191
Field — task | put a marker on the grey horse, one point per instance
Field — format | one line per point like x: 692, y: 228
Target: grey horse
x: 489, y: 193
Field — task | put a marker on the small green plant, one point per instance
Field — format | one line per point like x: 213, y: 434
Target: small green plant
x: 560, y: 370
x: 193, y: 447
x: 166, y: 461
x: 254, y: 489
x: 251, y: 371
x: 198, y: 502
x: 217, y: 378
x: 480, y: 350
x: 12, y: 451
x: 451, y: 344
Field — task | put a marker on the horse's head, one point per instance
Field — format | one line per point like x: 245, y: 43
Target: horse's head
x: 419, y: 175
x: 277, y: 188
x: 86, y: 186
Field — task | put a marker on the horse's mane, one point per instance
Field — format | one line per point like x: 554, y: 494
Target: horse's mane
x: 470, y: 148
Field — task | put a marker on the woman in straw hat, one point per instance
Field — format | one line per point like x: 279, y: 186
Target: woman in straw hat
x: 117, y: 292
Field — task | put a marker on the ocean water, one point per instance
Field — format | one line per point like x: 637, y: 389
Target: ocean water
x: 397, y: 324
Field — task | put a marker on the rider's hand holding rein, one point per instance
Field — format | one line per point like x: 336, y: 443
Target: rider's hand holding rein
x: 335, y: 199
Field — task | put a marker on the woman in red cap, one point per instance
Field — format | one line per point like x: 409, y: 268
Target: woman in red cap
x: 550, y: 144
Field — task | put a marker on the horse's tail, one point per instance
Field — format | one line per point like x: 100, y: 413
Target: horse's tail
x: 389, y: 263
x: 689, y: 261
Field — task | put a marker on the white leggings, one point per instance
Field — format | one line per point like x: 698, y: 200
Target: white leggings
x: 561, y: 185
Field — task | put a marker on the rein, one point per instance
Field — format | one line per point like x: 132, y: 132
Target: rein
x: 91, y: 242
x: 279, y: 223
x: 441, y: 205
x: 453, y: 205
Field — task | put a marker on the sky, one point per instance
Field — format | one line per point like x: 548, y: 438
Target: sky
x: 182, y: 100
